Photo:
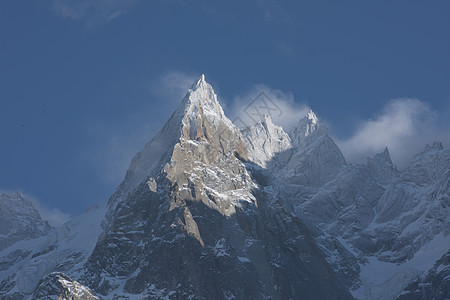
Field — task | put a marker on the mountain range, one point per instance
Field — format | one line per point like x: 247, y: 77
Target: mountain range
x: 208, y: 210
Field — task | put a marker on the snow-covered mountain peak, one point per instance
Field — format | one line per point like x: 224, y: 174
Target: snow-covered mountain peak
x: 264, y: 140
x: 381, y: 158
x: 429, y: 165
x: 267, y: 123
x: 381, y: 166
x: 307, y: 128
x: 312, y: 117
x: 19, y: 219
x: 315, y: 157
x: 198, y: 118
x: 267, y: 120
x: 433, y: 147
x: 198, y: 106
x: 198, y: 82
x: 200, y: 91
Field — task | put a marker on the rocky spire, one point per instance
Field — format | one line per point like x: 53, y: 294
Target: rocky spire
x: 307, y: 128
x: 265, y: 140
x: 381, y: 167
x: 199, y: 117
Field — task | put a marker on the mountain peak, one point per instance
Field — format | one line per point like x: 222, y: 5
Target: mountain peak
x: 197, y: 134
x: 311, y: 116
x: 19, y: 219
x: 381, y: 158
x: 386, y: 155
x: 265, y: 140
x: 267, y: 122
x: 199, y: 97
x: 435, y: 146
x: 381, y: 166
x: 201, y: 80
x: 306, y: 128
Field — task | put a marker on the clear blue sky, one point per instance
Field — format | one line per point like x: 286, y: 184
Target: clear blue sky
x: 82, y: 83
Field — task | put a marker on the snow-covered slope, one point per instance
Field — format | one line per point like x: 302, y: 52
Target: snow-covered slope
x: 434, y: 284
x: 264, y: 141
x: 64, y: 249
x: 382, y: 215
x: 19, y: 220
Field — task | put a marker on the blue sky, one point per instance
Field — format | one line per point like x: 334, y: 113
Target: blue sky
x: 84, y: 84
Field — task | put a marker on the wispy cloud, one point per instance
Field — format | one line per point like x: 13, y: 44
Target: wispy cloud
x: 172, y: 85
x: 113, y: 144
x: 92, y: 12
x: 54, y: 216
x: 261, y: 99
x: 404, y: 126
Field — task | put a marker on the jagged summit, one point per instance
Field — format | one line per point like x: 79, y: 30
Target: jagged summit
x: 307, y: 128
x: 199, y: 117
x: 267, y: 122
x: 198, y: 82
x: 437, y: 145
x: 265, y: 140
x: 382, y: 157
x: 200, y: 105
x: 312, y: 117
x: 381, y: 166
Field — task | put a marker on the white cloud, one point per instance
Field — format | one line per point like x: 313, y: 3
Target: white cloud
x: 92, y: 11
x: 405, y: 126
x: 54, y: 216
x: 173, y: 85
x: 113, y: 145
x: 260, y: 100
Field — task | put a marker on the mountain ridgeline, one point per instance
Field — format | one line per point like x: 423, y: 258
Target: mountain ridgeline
x: 211, y: 211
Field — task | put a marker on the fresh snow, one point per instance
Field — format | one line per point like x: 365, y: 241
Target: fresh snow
x: 384, y: 281
x: 77, y: 236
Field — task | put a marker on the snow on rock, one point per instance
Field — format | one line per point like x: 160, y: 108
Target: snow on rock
x: 428, y: 166
x: 19, y: 220
x: 315, y: 158
x: 265, y: 140
x: 381, y: 167
x: 198, y: 126
x: 59, y: 286
x: 385, y: 281
x: 434, y: 284
x: 65, y: 248
x: 306, y: 129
